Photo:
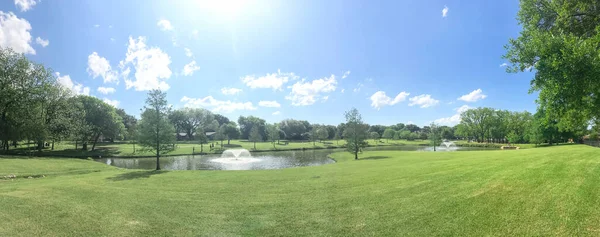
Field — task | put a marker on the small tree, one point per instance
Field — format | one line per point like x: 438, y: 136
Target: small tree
x: 156, y: 133
x: 388, y: 134
x: 254, y: 136
x: 220, y: 135
x: 513, y: 137
x: 313, y: 135
x: 322, y: 133
x: 132, y: 135
x: 272, y: 133
x: 434, y: 136
x: 396, y: 135
x: 374, y: 136
x: 337, y: 138
x: 231, y: 131
x: 355, y: 132
x: 201, y: 138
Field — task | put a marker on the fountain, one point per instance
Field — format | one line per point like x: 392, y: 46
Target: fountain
x: 444, y: 146
x: 236, y: 156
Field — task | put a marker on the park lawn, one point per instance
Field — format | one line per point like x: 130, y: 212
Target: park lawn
x: 544, y: 191
x: 107, y: 149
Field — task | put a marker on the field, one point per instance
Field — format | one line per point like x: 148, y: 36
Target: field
x: 543, y: 191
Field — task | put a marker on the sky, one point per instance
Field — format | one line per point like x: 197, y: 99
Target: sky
x: 395, y: 61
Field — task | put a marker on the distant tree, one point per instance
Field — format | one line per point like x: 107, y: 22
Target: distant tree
x: 405, y: 134
x: 322, y: 133
x: 248, y: 123
x: 377, y: 128
x: 221, y: 119
x: 273, y: 133
x: 355, y: 132
x: 396, y: 135
x: 156, y: 133
x: 374, y: 136
x: 220, y: 135
x: 313, y: 135
x: 434, y: 135
x: 101, y: 119
x: 388, y: 134
x: 231, y: 131
x: 255, y: 136
x: 412, y: 128
x: 337, y: 138
x: 293, y: 129
x: 513, y: 137
x: 188, y: 120
x: 413, y: 136
x: 201, y: 138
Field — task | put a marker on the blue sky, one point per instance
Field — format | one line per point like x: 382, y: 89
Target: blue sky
x: 396, y: 61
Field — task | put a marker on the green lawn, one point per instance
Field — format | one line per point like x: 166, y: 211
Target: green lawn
x: 185, y: 148
x: 544, y: 191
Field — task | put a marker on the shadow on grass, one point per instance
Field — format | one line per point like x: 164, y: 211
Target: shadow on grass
x: 374, y: 157
x: 231, y: 145
x: 136, y: 175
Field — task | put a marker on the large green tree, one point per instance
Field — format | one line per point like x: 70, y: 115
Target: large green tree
x: 355, y: 132
x: 560, y: 41
x: 156, y: 133
x: 188, y: 120
x: 101, y: 119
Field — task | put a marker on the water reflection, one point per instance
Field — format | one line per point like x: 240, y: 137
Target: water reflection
x: 265, y: 160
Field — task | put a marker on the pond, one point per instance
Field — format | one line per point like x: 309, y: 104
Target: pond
x: 257, y: 161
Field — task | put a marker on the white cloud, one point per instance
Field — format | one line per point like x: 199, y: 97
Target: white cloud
x: 473, y: 96
x: 164, y: 25
x: 271, y: 80
x: 14, y: 33
x: 112, y: 39
x: 424, y: 101
x: 346, y: 74
x: 276, y: 113
x: 230, y: 91
x: 188, y: 52
x: 343, y: 90
x: 217, y: 105
x: 307, y: 93
x: 110, y: 26
x: 100, y: 67
x: 151, y: 66
x: 42, y: 42
x: 195, y: 34
x: 380, y: 99
x: 76, y: 88
x: 106, y: 90
x: 96, y: 25
x: 445, y: 11
x: 272, y: 104
x: 358, y: 87
x: 190, y: 68
x: 503, y: 64
x: 114, y: 103
x: 25, y: 5
x: 454, y: 119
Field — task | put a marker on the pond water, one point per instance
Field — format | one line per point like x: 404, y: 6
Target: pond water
x: 258, y: 160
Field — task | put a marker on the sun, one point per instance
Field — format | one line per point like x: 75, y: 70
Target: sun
x: 229, y: 9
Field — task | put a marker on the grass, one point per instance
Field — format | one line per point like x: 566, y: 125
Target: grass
x: 532, y: 192
x: 67, y: 149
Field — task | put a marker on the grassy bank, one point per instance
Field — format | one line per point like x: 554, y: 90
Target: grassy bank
x: 545, y: 191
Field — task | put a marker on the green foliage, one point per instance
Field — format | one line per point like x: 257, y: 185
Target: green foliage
x: 156, y: 133
x: 388, y: 133
x: 273, y: 133
x: 559, y: 41
x: 255, y: 136
x: 230, y: 130
x: 248, y: 123
x: 189, y: 120
x: 322, y: 133
x: 435, y: 137
x: 355, y: 132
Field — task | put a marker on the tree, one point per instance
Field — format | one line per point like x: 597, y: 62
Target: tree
x: 155, y: 131
x: 273, y: 133
x: 231, y: 131
x: 337, y: 138
x: 388, y: 134
x: 412, y: 128
x: 255, y: 136
x: 313, y: 135
x: 434, y: 135
x: 405, y: 134
x: 293, y: 129
x: 355, y: 132
x: 188, y: 120
x: 374, y: 136
x: 220, y: 135
x: 322, y: 133
x: 201, y: 138
x: 221, y: 119
x: 248, y: 123
x: 101, y: 119
x: 559, y: 42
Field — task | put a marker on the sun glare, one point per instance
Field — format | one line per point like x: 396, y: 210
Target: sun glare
x: 229, y: 9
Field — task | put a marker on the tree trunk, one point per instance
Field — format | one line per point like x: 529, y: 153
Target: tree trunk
x: 254, y: 145
x: 76, y: 143
x: 228, y: 141
x: 95, y: 141
x: 40, y: 145
x: 84, y: 146
x: 53, y: 145
x: 134, y: 148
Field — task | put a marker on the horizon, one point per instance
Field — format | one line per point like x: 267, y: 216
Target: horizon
x: 402, y: 62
